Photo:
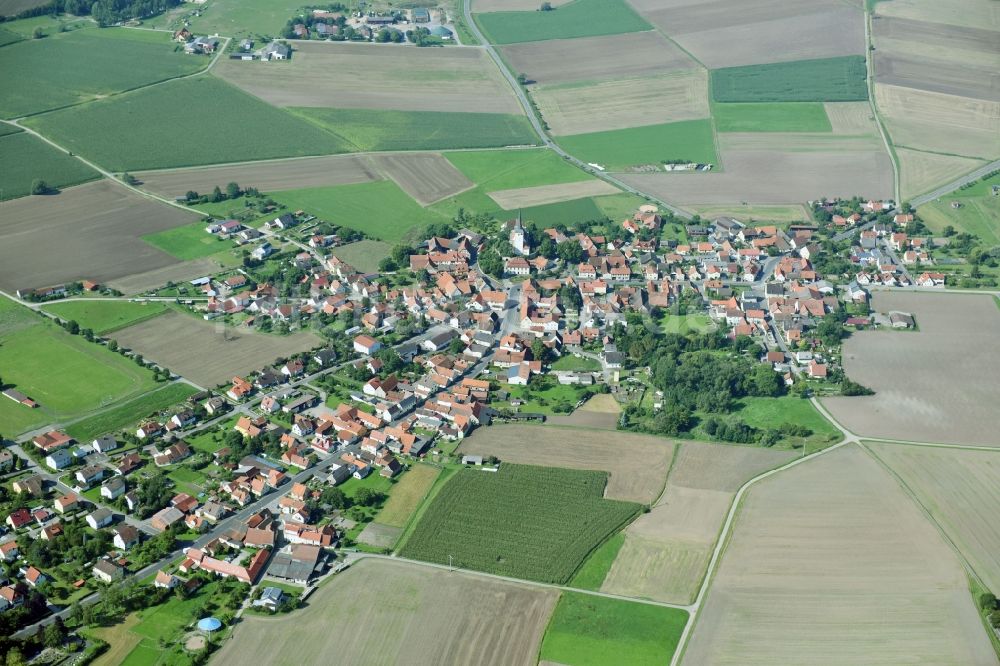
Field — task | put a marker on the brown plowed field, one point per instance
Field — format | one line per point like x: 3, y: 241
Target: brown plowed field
x: 832, y: 563
x: 374, y: 76
x: 179, y: 272
x: 92, y: 232
x: 209, y: 353
x: 937, y: 384
x: 524, y: 197
x: 959, y: 78
x: 384, y: 612
x: 269, y: 176
x: 427, y: 177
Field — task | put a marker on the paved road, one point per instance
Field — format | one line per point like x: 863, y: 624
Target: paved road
x: 955, y: 184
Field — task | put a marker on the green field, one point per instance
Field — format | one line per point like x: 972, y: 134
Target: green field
x: 593, y: 572
x: 73, y: 67
x: 771, y: 117
x: 587, y: 630
x: 379, y: 209
x: 130, y: 413
x: 684, y: 324
x: 64, y: 373
x: 24, y: 157
x: 619, y: 206
x: 364, y: 255
x: 189, y: 241
x: 978, y: 213
x: 536, y: 523
x: 562, y: 212
x: 494, y: 170
x: 365, y: 130
x: 194, y: 121
x: 840, y: 79
x: 689, y: 140
x: 8, y: 37
x: 7, y: 129
x: 580, y: 18
x: 243, y: 17
x: 572, y: 363
x: 772, y: 412
x: 106, y: 316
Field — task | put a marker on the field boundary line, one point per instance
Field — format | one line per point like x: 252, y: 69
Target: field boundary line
x: 870, y: 67
x: 936, y: 445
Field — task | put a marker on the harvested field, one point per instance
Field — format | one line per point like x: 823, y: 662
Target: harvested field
x: 959, y: 78
x: 593, y: 59
x: 426, y: 177
x: 602, y: 403
x: 545, y: 194
x: 937, y: 41
x: 920, y: 172
x: 436, y: 617
x: 793, y: 213
x: 638, y: 464
x: 667, y: 550
x: 814, y: 575
x: 577, y: 108
x: 798, y: 142
x: 580, y: 419
x: 851, y: 117
x: 137, y: 283
x: 364, y: 255
x: 266, y: 176
x: 220, y: 353
x: 379, y: 535
x: 960, y: 489
x: 967, y: 13
x: 92, y: 231
x: 949, y: 395
x: 369, y: 76
x: 940, y: 123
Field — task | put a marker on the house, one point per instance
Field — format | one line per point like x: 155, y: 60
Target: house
x: 166, y: 518
x: 270, y: 598
x: 438, y: 342
x: 126, y: 536
x: 51, y: 440
x: 215, y: 406
x: 276, y: 51
x: 18, y: 518
x: 148, y: 429
x: 59, y: 459
x: 517, y: 266
x: 131, y: 500
x: 367, y: 345
x: 325, y: 357
x: 183, y: 419
x: 50, y: 532
x: 240, y: 389
x: 66, y: 503
x: 33, y: 577
x: 100, y: 518
x: 172, y: 454
x: 817, y: 370
x: 10, y: 597
x: 127, y: 463
x: 108, y: 571
x: 211, y: 511
x: 105, y: 444
x: 901, y: 320
x: 9, y: 551
x: 262, y: 251
x: 89, y: 475
x: 31, y: 485
x: 166, y: 580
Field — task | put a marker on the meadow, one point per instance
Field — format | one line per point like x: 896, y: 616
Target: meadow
x: 587, y: 630
x: 130, y: 412
x: 7, y: 128
x: 364, y: 255
x: 841, y: 79
x: 537, y: 523
x: 24, y: 158
x: 771, y: 117
x: 979, y: 212
x: 66, y: 375
x: 772, y: 412
x: 244, y: 17
x: 380, y: 209
x: 593, y: 572
x: 616, y: 150
x: 581, y: 18
x: 509, y: 169
x: 105, y: 316
x: 140, y: 130
x: 366, y: 130
x: 8, y: 37
x: 407, y: 495
x: 190, y: 241
x: 563, y: 212
x: 68, y: 68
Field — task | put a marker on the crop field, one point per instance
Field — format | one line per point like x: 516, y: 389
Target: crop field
x: 958, y: 79
x: 960, y: 489
x: 505, y: 170
x: 190, y: 241
x: 380, y: 209
x: 483, y: 6
x: 427, y: 177
x: 536, y: 523
x: 7, y: 129
x: 979, y: 215
x: 222, y: 351
x: 545, y: 194
x: 371, y: 76
x: 580, y: 18
x: 129, y: 413
x: 88, y: 377
x: 43, y: 244
x: 921, y: 172
x: 129, y: 141
x: 637, y: 464
x: 824, y: 80
x: 564, y: 212
x: 24, y: 158
x: 436, y: 616
x: 771, y: 117
x: 365, y: 130
x: 813, y: 575
x: 266, y: 176
x: 592, y: 59
x: 80, y: 65
x: 364, y: 255
x: 750, y: 213
x: 577, y: 108
x: 851, y: 118
x: 950, y: 396
x: 8, y: 37
x: 104, y: 316
x: 666, y: 551
x: 137, y: 283
x: 407, y: 495
x: 725, y: 33
x: 588, y: 630
x: 617, y: 150
x: 15, y: 7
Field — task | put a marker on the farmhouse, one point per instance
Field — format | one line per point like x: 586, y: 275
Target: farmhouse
x: 51, y: 440
x: 108, y: 571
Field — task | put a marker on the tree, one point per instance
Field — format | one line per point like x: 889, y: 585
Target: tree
x: 369, y: 497
x: 232, y: 190
x: 546, y: 7
x: 39, y: 186
x: 55, y: 634
x: 522, y: 78
x: 570, y: 252
x: 38, y: 33
x: 539, y: 351
x: 73, y: 327
x: 216, y: 195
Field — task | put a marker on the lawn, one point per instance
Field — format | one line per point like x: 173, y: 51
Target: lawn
x: 542, y: 399
x: 840, y: 79
x: 130, y: 413
x: 494, y: 170
x: 593, y: 572
x: 244, y: 17
x: 24, y: 158
x: 771, y: 117
x: 562, y: 212
x: 69, y: 68
x: 7, y: 128
x: 65, y: 374
x: 580, y: 18
x: 366, y: 130
x: 189, y: 241
x: 364, y: 255
x: 587, y: 630
x: 213, y: 121
x: 106, y: 316
x: 772, y: 412
x: 380, y: 209
x: 619, y: 206
x: 684, y: 324
x: 572, y: 363
x: 978, y: 214
x: 689, y: 141
x: 536, y: 523
x: 407, y: 495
